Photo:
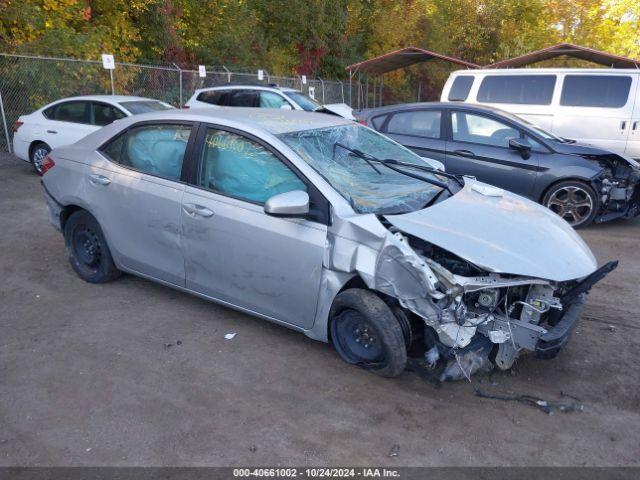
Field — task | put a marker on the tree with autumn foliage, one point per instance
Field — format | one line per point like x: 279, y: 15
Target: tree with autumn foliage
x: 317, y: 37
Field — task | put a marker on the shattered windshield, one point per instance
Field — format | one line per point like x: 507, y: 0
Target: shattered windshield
x: 369, y: 190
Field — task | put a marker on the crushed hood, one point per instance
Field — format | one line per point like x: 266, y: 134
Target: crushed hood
x: 591, y: 152
x: 501, y: 232
x: 340, y: 109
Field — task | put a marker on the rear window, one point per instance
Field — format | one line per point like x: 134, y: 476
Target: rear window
x: 136, y: 107
x: 75, y: 112
x: 378, y: 121
x: 217, y: 97
x: 460, y: 89
x: 518, y: 89
x: 603, y: 91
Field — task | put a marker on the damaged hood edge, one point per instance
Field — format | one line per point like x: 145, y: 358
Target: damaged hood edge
x: 502, y: 233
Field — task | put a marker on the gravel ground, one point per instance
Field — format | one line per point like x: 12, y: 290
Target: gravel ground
x: 86, y: 378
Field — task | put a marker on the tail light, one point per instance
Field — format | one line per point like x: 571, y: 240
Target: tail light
x: 185, y: 106
x: 47, y: 164
x: 359, y: 119
x: 16, y: 125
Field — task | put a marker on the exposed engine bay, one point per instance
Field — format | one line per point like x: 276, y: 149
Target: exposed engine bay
x: 473, y: 319
x: 618, y: 186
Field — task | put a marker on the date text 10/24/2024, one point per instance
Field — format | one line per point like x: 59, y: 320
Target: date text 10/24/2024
x: 316, y: 472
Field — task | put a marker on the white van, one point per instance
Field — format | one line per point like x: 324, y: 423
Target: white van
x: 595, y: 106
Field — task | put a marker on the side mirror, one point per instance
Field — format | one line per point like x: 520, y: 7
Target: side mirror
x: 522, y: 146
x: 286, y: 106
x: 289, y: 204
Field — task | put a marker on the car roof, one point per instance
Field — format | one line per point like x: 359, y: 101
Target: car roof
x: 108, y: 98
x: 274, y: 121
x: 236, y: 86
x: 422, y: 105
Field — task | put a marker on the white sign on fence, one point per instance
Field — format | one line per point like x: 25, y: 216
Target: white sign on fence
x: 304, y: 79
x: 260, y: 74
x: 202, y: 71
x: 108, y: 62
x: 312, y: 92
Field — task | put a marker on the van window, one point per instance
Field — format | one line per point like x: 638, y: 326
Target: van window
x: 460, y: 88
x: 606, y: 91
x: 519, y: 89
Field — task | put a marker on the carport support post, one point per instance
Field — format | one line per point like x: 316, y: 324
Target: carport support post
x: 341, y: 90
x: 4, y: 124
x: 381, y: 85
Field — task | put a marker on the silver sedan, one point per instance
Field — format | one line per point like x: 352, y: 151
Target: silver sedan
x: 327, y: 227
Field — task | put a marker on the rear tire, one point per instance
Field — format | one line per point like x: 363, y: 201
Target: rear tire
x: 574, y: 201
x: 365, y: 332
x: 37, y: 154
x: 87, y: 249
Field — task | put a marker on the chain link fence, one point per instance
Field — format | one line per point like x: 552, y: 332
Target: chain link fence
x: 27, y: 83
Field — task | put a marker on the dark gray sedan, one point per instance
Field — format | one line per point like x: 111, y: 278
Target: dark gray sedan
x: 578, y: 182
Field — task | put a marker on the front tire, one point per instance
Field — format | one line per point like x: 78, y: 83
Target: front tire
x: 365, y: 332
x: 38, y: 152
x: 87, y: 249
x: 574, y: 201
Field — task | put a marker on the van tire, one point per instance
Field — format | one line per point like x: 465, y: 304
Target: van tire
x: 87, y: 249
x: 576, y: 199
x: 365, y: 332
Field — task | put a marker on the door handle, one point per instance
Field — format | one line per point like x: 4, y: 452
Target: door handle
x: 51, y: 131
x: 464, y: 153
x: 634, y: 127
x: 99, y: 180
x: 623, y: 125
x: 193, y: 209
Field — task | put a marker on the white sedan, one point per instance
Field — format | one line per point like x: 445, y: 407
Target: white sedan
x: 68, y: 120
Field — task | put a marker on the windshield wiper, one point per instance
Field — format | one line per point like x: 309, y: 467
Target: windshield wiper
x: 392, y: 165
x: 435, y: 171
x: 358, y: 154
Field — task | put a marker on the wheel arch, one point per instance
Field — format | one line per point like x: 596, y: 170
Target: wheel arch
x: 33, y: 144
x: 556, y: 181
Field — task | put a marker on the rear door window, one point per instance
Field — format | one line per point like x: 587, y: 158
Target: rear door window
x: 75, y: 112
x: 154, y: 149
x: 418, y: 123
x: 517, y: 89
x: 244, y: 98
x: 103, y: 114
x: 605, y: 91
x: 460, y: 88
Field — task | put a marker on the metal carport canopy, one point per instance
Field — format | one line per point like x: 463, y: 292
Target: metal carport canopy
x: 400, y: 59
x: 567, y: 50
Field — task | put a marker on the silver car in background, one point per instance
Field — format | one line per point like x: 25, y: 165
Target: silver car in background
x: 327, y: 227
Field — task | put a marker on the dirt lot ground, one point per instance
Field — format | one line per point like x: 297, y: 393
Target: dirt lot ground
x: 86, y: 378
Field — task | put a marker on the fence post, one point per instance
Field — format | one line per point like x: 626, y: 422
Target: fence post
x: 322, y: 84
x: 4, y: 124
x: 341, y: 89
x: 179, y: 84
x: 228, y: 73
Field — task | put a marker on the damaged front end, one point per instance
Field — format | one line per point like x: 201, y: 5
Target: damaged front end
x: 618, y: 186
x: 473, y: 319
x: 478, y: 283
